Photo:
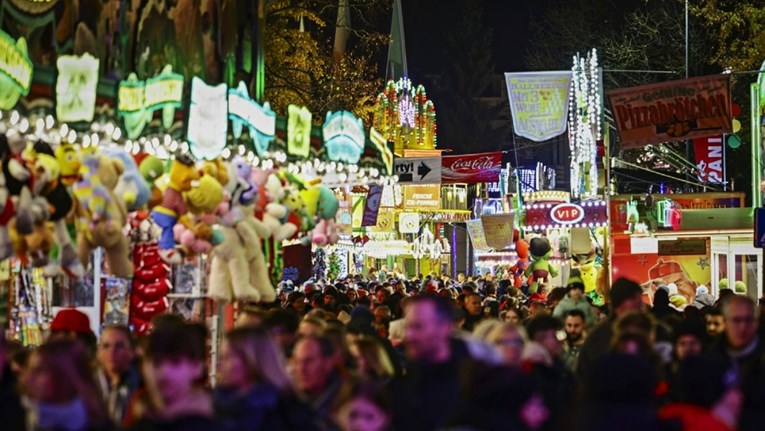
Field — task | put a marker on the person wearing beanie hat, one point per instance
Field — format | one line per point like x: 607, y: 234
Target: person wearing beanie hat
x: 71, y: 323
x: 574, y: 299
x: 703, y: 298
x: 626, y: 296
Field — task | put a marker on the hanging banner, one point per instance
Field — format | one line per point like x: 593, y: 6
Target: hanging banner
x: 471, y: 168
x: 246, y: 112
x: 710, y: 160
x: 539, y: 103
x: 422, y: 197
x: 385, y: 221
x: 498, y: 229
x: 344, y: 137
x: 372, y: 205
x: 207, y: 122
x: 672, y: 111
x: 76, y: 88
x: 477, y: 237
x: 137, y: 100
x: 299, y: 131
x: 297, y: 263
x: 15, y: 70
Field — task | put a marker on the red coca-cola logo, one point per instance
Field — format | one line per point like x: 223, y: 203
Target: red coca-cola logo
x: 474, y: 164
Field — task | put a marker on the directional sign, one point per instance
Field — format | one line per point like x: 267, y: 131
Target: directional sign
x: 759, y: 227
x: 418, y: 170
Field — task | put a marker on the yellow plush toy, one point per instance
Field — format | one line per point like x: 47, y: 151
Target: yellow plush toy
x: 102, y: 214
x: 68, y: 163
x: 194, y: 230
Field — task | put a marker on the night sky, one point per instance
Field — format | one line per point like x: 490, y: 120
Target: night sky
x: 426, y: 21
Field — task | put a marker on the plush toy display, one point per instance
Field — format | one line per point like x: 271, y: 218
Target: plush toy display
x: 17, y: 181
x: 102, y: 214
x: 151, y: 168
x: 325, y: 233
x: 201, y: 201
x: 276, y: 213
x: 132, y: 186
x: 540, y: 269
x: 182, y: 174
x: 68, y: 163
x: 518, y: 269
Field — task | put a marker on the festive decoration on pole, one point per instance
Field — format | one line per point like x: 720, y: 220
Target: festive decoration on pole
x: 208, y: 121
x: 76, y: 88
x: 584, y: 124
x: 405, y: 116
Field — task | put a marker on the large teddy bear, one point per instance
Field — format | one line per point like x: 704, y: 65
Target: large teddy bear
x: 202, y: 202
x: 102, y: 214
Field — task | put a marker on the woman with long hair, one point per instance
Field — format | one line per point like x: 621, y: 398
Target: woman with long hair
x: 255, y: 391
x: 62, y: 390
x: 510, y: 340
x: 372, y: 361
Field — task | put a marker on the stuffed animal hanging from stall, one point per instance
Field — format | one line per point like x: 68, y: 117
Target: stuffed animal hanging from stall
x: 201, y: 201
x: 182, y: 174
x: 102, y: 214
x: 518, y: 269
x: 540, y: 269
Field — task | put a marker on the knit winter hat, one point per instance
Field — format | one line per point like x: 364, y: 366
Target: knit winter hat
x: 702, y: 290
x: 70, y: 319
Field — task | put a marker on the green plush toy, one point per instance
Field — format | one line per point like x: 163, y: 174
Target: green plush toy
x: 540, y: 269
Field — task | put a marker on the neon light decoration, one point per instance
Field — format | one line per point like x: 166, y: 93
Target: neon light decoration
x: 260, y: 120
x: 299, y: 131
x: 15, y: 70
x: 404, y: 115
x: 76, y: 88
x: 343, y: 137
x: 207, y: 122
x: 584, y: 124
x: 386, y: 155
x: 137, y: 100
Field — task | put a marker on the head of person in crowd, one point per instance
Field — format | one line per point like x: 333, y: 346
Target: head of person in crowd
x: 251, y: 357
x: 544, y: 330
x: 382, y: 294
x: 509, y: 339
x: 311, y: 326
x: 428, y: 328
x: 514, y: 315
x: 723, y: 295
x: 688, y: 339
x: 555, y: 297
x: 353, y: 296
x: 575, y: 325
x: 116, y: 352
x: 631, y: 343
x: 283, y: 326
x: 296, y: 302
x: 371, y: 359
x: 626, y: 296
x: 70, y: 323
x: 175, y: 366
x: 382, y: 314
x: 740, y: 322
x: 61, y: 386
x: 251, y: 315
x: 537, y: 308
x: 473, y: 305
x: 714, y: 321
x: 315, y: 361
x: 575, y: 288
x: 363, y: 406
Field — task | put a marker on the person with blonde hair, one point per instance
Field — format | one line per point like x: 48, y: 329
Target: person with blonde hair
x: 510, y: 340
x: 62, y: 390
x: 255, y: 390
x: 372, y: 361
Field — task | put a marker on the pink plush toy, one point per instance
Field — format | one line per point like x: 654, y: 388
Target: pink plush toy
x: 325, y: 233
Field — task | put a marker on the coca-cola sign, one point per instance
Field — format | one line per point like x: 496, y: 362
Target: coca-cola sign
x: 471, y: 168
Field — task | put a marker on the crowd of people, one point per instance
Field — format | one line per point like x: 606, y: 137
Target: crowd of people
x: 369, y: 353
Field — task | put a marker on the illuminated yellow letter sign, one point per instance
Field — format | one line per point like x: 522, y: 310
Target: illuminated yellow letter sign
x: 76, y: 88
x: 15, y: 70
x: 299, y: 131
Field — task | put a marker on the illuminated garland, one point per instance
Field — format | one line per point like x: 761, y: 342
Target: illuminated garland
x: 584, y: 124
x: 405, y: 116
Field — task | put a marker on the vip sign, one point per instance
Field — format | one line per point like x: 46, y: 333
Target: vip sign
x: 137, y: 100
x: 259, y: 120
x: 710, y: 159
x: 299, y: 131
x: 15, y: 70
x: 567, y: 213
x: 207, y: 122
x: 343, y: 137
x: 76, y: 88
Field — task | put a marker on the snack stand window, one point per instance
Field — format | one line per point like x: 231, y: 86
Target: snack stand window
x: 734, y: 259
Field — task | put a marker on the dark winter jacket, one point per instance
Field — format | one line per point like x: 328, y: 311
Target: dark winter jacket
x: 11, y: 412
x: 262, y: 408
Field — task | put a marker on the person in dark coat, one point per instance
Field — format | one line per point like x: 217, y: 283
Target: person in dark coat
x: 11, y: 411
